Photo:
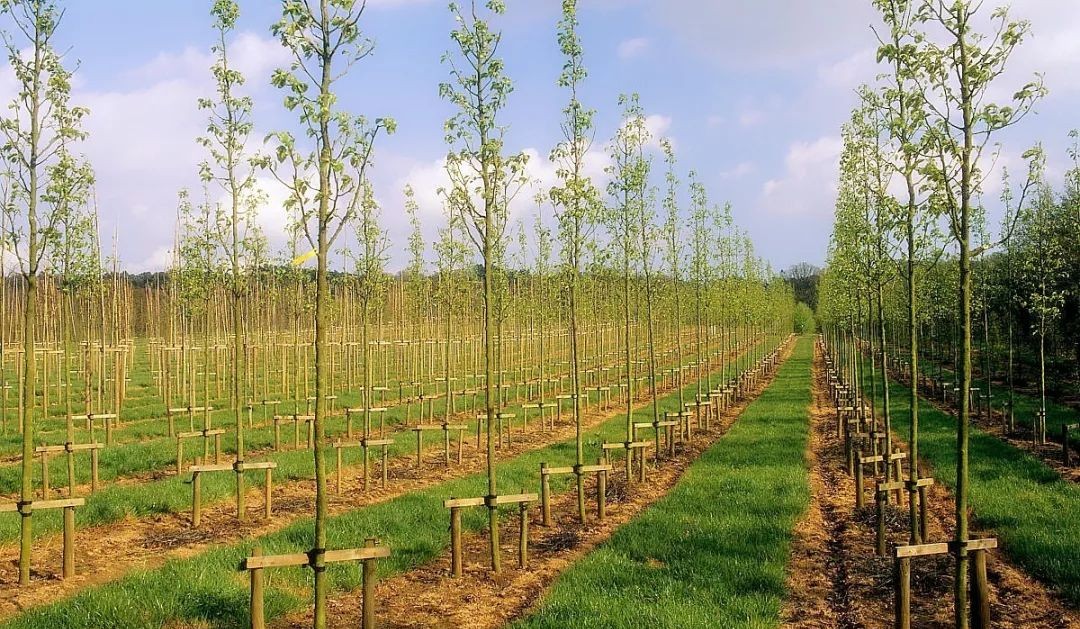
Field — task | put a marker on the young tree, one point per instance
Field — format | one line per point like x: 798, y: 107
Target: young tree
x: 414, y: 271
x: 673, y: 254
x: 577, y: 202
x: 449, y: 260
x: 483, y: 180
x: 73, y: 261
x: 40, y: 123
x: 699, y: 272
x: 628, y: 174
x: 904, y: 115
x: 233, y: 170
x: 958, y: 75
x: 369, y: 257
x: 326, y: 181
x: 1042, y: 264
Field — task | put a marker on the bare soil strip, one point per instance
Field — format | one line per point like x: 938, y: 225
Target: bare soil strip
x: 427, y: 596
x: 836, y: 580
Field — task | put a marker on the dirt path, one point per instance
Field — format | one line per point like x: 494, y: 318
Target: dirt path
x: 149, y: 541
x: 426, y: 597
x: 836, y: 580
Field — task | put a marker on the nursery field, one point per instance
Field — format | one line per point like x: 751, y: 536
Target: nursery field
x: 521, y: 365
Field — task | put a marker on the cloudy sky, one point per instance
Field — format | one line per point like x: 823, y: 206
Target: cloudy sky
x: 751, y: 93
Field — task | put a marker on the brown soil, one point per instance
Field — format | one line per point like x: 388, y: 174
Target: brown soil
x: 148, y: 542
x: 836, y: 580
x: 428, y: 597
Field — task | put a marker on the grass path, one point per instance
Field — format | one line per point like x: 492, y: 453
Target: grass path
x: 712, y: 552
x: 1027, y: 505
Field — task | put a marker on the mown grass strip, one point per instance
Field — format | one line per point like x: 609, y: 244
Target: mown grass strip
x: 1028, y: 506
x: 208, y: 589
x: 712, y: 552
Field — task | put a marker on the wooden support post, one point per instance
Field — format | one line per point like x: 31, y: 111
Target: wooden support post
x: 545, y: 495
x: 601, y: 492
x: 980, y: 591
x: 367, y: 568
x: 1066, y: 457
x: 879, y: 498
x: 69, y: 542
x: 93, y: 470
x: 902, y: 601
x: 455, y: 540
x: 858, y: 480
x: 258, y: 619
x: 268, y: 492
x: 196, y: 499
x: 419, y: 443
x: 523, y: 540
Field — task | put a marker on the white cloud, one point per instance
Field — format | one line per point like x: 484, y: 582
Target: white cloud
x: 631, y: 48
x: 161, y: 258
x: 751, y: 118
x: 808, y: 184
x: 739, y: 171
x: 851, y: 71
x: 658, y: 126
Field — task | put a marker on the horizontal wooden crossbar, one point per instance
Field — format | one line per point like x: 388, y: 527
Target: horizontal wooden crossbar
x: 62, y: 503
x: 622, y: 446
x: 980, y: 544
x: 376, y: 442
x: 463, y: 502
x: 219, y: 467
x: 93, y: 416
x: 515, y: 498
x: 200, y: 433
x: 260, y: 465
x: 303, y: 559
x: 73, y: 447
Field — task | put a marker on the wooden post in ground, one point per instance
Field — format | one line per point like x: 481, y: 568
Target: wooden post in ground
x: 523, y: 539
x: 455, y: 540
x: 1066, y: 457
x: 367, y: 568
x: 258, y: 619
x: 601, y: 490
x: 902, y: 601
x: 69, y: 543
x: 545, y: 495
x: 858, y: 480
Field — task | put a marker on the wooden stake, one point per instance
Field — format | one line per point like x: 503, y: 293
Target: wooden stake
x: 258, y: 621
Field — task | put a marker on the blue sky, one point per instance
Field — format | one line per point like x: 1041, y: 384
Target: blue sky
x: 752, y: 94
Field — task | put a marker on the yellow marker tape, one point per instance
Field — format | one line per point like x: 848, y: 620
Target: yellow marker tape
x: 300, y: 259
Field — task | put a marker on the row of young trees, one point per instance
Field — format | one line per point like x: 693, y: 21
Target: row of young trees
x: 909, y: 205
x: 707, y: 271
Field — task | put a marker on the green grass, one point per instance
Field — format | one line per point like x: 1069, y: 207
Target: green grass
x: 208, y: 589
x: 172, y: 494
x: 1025, y: 406
x: 1031, y: 509
x: 712, y: 552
